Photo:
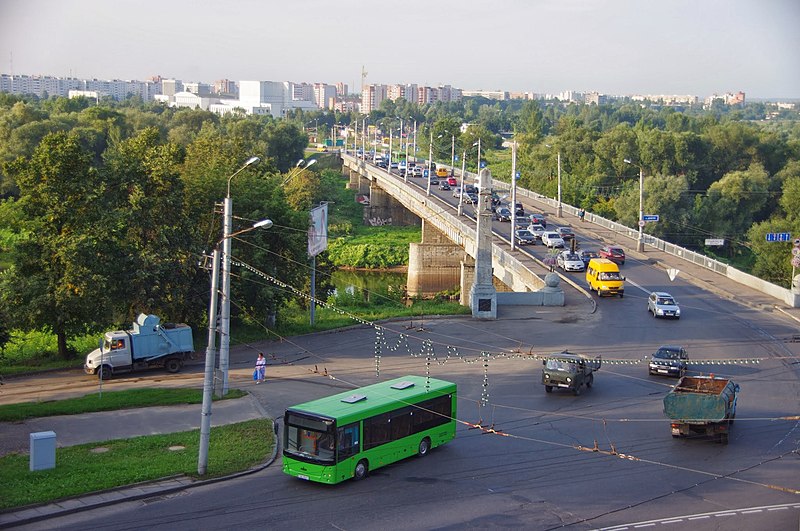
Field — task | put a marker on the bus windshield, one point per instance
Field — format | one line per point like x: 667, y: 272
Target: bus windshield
x: 310, y: 438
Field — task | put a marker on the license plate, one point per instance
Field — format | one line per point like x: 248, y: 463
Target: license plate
x: 302, y: 477
x: 563, y: 385
x: 662, y: 371
x: 676, y: 431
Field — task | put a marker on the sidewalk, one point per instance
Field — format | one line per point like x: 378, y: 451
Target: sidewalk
x: 96, y: 427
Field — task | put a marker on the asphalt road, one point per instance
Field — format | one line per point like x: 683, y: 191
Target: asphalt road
x: 537, y: 471
x: 533, y: 474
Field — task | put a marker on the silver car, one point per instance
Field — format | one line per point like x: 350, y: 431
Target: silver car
x: 552, y: 239
x: 569, y: 261
x: 662, y: 304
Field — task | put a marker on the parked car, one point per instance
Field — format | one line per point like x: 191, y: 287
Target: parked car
x: 565, y: 233
x: 672, y: 360
x: 552, y: 239
x: 538, y: 219
x: 587, y: 254
x: 536, y: 229
x: 502, y: 214
x: 452, y: 181
x: 443, y: 185
x: 662, y: 304
x: 569, y: 261
x: 613, y: 253
x: 524, y: 237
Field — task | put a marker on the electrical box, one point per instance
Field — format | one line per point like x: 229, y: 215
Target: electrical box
x: 43, y: 450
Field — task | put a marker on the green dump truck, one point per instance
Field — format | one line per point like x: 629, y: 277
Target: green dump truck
x: 702, y: 405
x: 565, y: 370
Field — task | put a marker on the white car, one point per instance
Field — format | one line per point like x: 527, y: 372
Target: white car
x: 569, y: 261
x: 552, y: 239
x: 537, y: 230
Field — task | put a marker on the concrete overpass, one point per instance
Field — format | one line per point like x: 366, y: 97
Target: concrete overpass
x: 446, y: 255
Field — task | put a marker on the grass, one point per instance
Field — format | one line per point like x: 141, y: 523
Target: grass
x: 110, y: 401
x: 78, y: 470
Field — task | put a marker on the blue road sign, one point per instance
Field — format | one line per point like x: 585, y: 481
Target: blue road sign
x: 779, y: 236
x: 516, y: 176
x: 650, y: 217
x: 483, y: 164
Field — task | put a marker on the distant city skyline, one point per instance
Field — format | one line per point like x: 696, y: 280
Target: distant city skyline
x: 615, y: 47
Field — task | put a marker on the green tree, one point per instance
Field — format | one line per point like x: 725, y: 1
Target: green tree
x: 53, y: 283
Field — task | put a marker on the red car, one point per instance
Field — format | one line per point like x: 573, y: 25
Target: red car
x: 615, y: 254
x: 452, y: 181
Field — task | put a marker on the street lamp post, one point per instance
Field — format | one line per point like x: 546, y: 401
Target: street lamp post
x: 430, y: 159
x: 513, y: 193
x: 559, y: 209
x: 640, y: 241
x: 463, y: 169
x: 452, y: 153
x: 225, y: 318
x: 208, y: 381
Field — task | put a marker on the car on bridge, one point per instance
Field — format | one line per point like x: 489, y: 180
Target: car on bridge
x: 433, y: 179
x: 587, y: 254
x: 452, y: 181
x: 457, y: 192
x: 569, y: 261
x: 565, y: 233
x: 441, y: 172
x: 538, y: 219
x: 552, y: 239
x: 613, y: 253
x: 503, y: 214
x: 443, y: 185
x: 536, y: 229
x: 524, y: 237
x: 662, y: 304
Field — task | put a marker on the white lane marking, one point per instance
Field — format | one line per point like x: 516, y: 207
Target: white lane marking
x: 632, y: 283
x: 702, y: 516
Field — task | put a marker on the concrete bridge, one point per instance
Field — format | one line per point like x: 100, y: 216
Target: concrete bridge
x: 445, y: 257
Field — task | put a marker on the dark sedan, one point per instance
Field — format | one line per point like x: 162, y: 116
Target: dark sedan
x: 503, y: 214
x: 524, y: 237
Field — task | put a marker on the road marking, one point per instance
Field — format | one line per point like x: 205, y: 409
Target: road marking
x: 701, y: 516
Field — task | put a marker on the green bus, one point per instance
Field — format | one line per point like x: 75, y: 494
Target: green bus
x: 348, y: 434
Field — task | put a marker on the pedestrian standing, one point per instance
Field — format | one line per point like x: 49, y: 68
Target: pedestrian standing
x: 261, y: 368
x: 582, y: 214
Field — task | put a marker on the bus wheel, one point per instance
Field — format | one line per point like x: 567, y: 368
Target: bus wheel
x: 361, y: 470
x: 424, y: 446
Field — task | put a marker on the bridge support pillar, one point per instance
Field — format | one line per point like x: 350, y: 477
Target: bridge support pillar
x: 384, y: 209
x: 434, y: 264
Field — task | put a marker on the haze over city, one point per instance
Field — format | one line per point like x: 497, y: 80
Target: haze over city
x: 543, y: 46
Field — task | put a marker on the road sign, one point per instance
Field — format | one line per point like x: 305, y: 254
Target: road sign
x: 483, y: 164
x: 796, y: 261
x: 795, y: 251
x: 642, y: 223
x: 455, y: 158
x: 714, y: 242
x: 672, y: 273
x: 516, y: 175
x: 797, y: 242
x: 650, y: 217
x: 779, y: 236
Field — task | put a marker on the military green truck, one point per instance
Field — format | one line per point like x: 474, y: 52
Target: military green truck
x: 702, y: 405
x: 566, y: 370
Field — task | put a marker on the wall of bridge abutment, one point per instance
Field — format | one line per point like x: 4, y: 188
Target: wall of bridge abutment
x: 434, y: 264
x: 384, y: 209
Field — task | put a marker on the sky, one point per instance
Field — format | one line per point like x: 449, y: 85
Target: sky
x: 616, y: 47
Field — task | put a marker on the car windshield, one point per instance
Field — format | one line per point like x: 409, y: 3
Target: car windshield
x: 560, y: 365
x: 571, y: 257
x: 612, y: 275
x: 666, y: 301
x: 617, y: 251
x: 667, y: 354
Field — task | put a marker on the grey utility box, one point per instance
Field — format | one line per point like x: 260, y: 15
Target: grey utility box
x: 43, y: 450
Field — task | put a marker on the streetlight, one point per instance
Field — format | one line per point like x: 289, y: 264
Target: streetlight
x: 461, y: 188
x: 302, y: 164
x: 513, y: 193
x: 559, y: 210
x: 225, y: 319
x: 640, y: 241
x: 430, y: 161
x: 208, y: 381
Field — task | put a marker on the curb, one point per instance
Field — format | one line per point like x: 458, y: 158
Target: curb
x: 133, y: 492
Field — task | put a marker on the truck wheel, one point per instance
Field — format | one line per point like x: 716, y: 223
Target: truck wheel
x: 173, y: 365
x: 590, y: 380
x: 548, y: 388
x: 105, y: 372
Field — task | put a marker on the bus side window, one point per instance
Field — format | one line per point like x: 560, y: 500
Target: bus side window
x: 348, y: 441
